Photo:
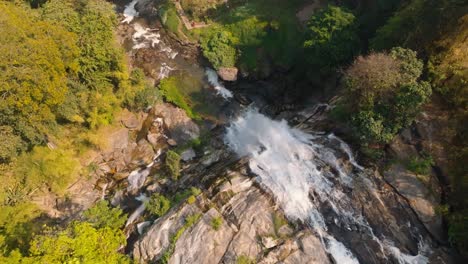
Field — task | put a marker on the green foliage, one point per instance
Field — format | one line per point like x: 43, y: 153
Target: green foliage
x: 34, y: 59
x: 198, y: 9
x: 420, y: 165
x: 17, y: 227
x: 219, y: 48
x: 172, y: 164
x: 331, y: 38
x: 10, y: 144
x: 81, y: 242
x: 458, y: 229
x: 43, y: 167
x: 189, y: 222
x: 140, y: 94
x: 103, y: 215
x: 186, y: 194
x: 384, y: 94
x: 101, y: 72
x: 243, y: 259
x: 169, y: 88
x: 278, y: 222
x: 158, y: 205
x: 216, y: 223
x: 169, y: 18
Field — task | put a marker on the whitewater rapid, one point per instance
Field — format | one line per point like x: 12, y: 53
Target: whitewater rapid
x: 304, y: 174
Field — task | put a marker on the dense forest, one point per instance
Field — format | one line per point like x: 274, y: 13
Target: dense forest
x: 65, y: 79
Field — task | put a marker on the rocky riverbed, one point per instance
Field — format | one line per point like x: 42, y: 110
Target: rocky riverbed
x: 281, y: 195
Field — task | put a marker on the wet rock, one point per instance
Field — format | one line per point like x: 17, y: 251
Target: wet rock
x: 141, y: 227
x: 188, y: 155
x: 180, y: 127
x: 153, y: 138
x: 228, y: 73
x: 311, y: 251
x: 171, y: 142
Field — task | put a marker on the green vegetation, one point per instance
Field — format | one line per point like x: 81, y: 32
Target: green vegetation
x: 169, y: 89
x: 172, y: 164
x: 218, y: 48
x: 142, y: 94
x: 188, y: 194
x: 243, y: 259
x: 420, y: 165
x: 189, y: 222
x: 278, y: 222
x: 103, y: 215
x: 385, y: 94
x: 158, y: 205
x: 252, y: 33
x: 332, y: 38
x: 216, y: 223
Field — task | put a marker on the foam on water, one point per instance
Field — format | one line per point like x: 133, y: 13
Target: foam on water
x: 213, y: 79
x: 292, y: 165
x: 130, y: 12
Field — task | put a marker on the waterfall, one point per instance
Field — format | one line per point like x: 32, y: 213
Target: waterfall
x: 130, y: 12
x: 304, y: 174
x: 212, y: 77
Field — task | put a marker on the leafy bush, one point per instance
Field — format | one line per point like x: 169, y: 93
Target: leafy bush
x: 79, y: 243
x: 186, y: 194
x: 420, y: 165
x: 219, y: 48
x: 140, y: 94
x: 384, y: 94
x: 216, y: 223
x: 331, y: 38
x: 158, y: 205
x: 172, y: 164
x: 103, y: 215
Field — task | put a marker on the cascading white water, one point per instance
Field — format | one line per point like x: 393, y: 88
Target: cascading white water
x: 292, y: 165
x: 283, y: 159
x: 130, y: 12
x: 213, y: 79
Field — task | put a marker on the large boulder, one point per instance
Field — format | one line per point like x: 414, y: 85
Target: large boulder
x: 180, y: 127
x: 228, y: 73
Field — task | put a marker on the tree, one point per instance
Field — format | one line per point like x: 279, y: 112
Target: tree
x: 219, y: 49
x: 384, y: 93
x: 331, y: 38
x: 79, y: 243
x: 158, y: 205
x: 35, y: 57
x: 103, y: 215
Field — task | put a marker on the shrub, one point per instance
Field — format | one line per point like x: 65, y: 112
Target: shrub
x: 158, y: 205
x: 332, y: 37
x: 420, y: 165
x: 186, y: 194
x: 219, y: 48
x: 103, y: 215
x: 172, y: 164
x: 216, y: 223
x: 384, y: 94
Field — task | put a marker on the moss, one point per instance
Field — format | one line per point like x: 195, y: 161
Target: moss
x: 243, y: 259
x: 172, y: 164
x: 420, y: 165
x: 216, y: 223
x: 169, y: 89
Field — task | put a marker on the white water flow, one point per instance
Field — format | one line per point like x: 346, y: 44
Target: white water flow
x: 139, y: 211
x: 304, y: 175
x: 213, y: 79
x: 130, y: 12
